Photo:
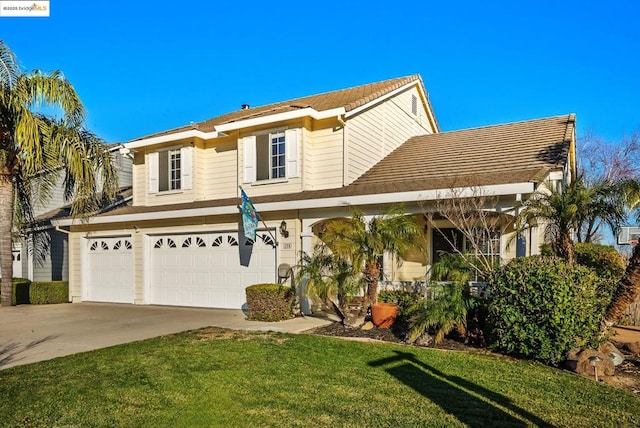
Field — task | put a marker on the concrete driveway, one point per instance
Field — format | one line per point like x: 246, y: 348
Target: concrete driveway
x: 31, y: 333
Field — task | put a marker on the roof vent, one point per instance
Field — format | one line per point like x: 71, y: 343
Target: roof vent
x: 245, y: 106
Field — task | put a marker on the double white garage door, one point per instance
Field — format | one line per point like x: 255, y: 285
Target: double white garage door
x: 203, y: 269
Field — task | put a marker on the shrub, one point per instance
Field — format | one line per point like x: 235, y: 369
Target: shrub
x: 442, y: 313
x: 407, y: 301
x: 603, y: 259
x: 41, y: 293
x: 270, y: 302
x: 541, y: 307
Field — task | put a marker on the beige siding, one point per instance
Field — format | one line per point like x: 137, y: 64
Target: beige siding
x: 75, y: 267
x: 268, y: 187
x: 141, y: 194
x: 216, y: 169
x: 324, y: 161
x: 140, y: 186
x: 138, y: 267
x: 375, y: 132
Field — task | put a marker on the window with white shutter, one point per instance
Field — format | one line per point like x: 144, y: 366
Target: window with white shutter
x: 170, y: 170
x: 271, y: 156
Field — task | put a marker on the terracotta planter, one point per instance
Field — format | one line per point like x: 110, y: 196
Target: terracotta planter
x: 383, y: 315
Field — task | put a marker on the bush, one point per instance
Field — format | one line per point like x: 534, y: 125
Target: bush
x: 541, y: 307
x: 41, y: 293
x: 407, y: 301
x: 603, y: 259
x: 270, y: 302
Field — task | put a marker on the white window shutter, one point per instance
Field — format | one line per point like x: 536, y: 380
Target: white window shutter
x: 291, y: 144
x: 186, y: 165
x: 249, y: 148
x: 152, y: 160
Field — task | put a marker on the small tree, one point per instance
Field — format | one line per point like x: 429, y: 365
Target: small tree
x: 363, y: 243
x: 474, y: 213
x: 331, y: 278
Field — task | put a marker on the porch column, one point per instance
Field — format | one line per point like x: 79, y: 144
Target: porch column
x: 535, y: 248
x: 306, y: 235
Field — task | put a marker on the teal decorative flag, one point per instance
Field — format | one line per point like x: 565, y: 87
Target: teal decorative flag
x: 249, y: 217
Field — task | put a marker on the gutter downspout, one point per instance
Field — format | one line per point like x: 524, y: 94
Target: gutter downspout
x: 344, y: 149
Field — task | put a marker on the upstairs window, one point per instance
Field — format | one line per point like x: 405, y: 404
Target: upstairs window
x: 170, y: 170
x: 271, y: 156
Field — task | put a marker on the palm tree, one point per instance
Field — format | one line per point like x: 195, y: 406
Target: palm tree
x: 627, y: 290
x: 561, y: 211
x: 608, y: 204
x: 364, y: 243
x: 330, y: 277
x: 35, y: 146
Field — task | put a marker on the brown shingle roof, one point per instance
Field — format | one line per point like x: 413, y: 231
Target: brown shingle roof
x: 516, y: 152
x: 350, y: 98
x: 512, y: 152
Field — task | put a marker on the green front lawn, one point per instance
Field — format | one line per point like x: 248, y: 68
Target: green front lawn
x: 218, y: 377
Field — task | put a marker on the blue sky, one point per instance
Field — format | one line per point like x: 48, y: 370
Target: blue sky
x: 145, y: 66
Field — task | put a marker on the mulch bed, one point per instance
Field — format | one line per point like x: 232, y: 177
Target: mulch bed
x: 393, y: 335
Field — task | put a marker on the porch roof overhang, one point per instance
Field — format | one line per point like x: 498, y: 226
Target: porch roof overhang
x: 295, y: 201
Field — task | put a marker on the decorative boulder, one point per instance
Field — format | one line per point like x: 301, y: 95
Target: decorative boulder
x: 367, y: 326
x: 614, y: 353
x: 578, y: 360
x: 633, y: 348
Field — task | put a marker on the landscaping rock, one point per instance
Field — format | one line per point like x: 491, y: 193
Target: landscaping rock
x: 367, y: 326
x: 633, y: 347
x: 578, y: 361
x: 424, y: 340
x: 612, y: 352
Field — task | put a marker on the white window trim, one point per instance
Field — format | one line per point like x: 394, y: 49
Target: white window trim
x: 291, y: 155
x: 186, y: 167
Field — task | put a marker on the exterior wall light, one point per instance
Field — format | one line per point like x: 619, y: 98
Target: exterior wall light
x: 283, y: 229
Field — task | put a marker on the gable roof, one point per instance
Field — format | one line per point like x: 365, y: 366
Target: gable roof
x: 508, y: 158
x: 348, y: 99
x: 513, y: 152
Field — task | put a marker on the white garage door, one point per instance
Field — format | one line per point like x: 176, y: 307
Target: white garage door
x: 208, y: 269
x: 110, y: 277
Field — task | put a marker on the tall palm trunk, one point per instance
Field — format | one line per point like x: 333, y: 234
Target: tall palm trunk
x: 627, y: 290
x: 564, y: 247
x: 371, y: 276
x: 6, y: 223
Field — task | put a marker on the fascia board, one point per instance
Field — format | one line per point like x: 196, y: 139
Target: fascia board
x: 380, y: 99
x: 385, y: 198
x: 192, y: 133
x: 280, y: 117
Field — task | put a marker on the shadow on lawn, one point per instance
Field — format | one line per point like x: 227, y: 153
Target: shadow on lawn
x: 10, y: 351
x: 468, y: 402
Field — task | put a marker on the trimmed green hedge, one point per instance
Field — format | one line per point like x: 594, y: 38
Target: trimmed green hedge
x: 26, y: 292
x: 42, y: 293
x: 270, y: 302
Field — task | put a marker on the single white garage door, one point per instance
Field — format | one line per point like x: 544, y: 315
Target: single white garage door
x: 110, y: 276
x: 208, y: 269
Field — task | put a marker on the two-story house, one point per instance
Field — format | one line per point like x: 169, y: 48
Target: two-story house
x: 301, y: 162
